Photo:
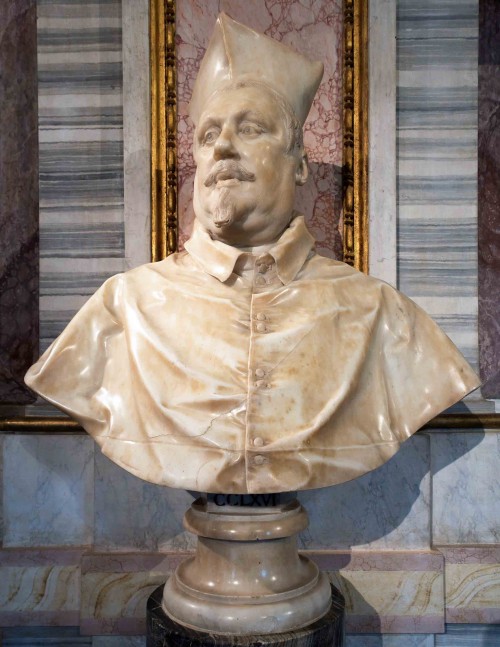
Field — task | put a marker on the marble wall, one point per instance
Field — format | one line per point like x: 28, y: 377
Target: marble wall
x: 415, y: 544
x: 81, y: 155
x: 18, y: 199
x: 489, y: 196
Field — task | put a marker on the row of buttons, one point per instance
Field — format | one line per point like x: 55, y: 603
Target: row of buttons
x: 260, y: 372
x: 261, y: 326
x: 263, y: 267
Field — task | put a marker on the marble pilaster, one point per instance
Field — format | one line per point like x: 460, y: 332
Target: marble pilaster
x: 19, y: 264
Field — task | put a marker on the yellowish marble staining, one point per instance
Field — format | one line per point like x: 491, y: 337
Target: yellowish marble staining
x: 392, y: 593
x: 472, y: 592
x: 39, y: 589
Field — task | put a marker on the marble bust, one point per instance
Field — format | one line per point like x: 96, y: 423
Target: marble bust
x: 248, y: 363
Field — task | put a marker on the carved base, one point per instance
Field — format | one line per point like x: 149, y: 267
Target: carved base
x: 164, y: 632
x: 246, y: 576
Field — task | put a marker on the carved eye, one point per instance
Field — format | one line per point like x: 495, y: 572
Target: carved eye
x: 250, y: 130
x: 210, y: 136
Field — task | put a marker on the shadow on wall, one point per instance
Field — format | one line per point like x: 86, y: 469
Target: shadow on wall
x: 388, y: 508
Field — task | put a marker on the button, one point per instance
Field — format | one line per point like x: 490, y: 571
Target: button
x: 259, y: 460
x: 260, y: 372
x: 258, y: 442
x: 260, y: 280
x: 261, y: 327
x: 261, y: 316
x: 260, y: 383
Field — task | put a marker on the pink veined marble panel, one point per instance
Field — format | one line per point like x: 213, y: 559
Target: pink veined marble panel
x: 315, y: 29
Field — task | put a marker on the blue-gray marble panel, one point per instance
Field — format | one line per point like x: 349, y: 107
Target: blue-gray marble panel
x: 48, y: 496
x: 472, y: 635
x: 132, y: 514
x: 437, y: 145
x: 81, y: 158
x: 388, y: 508
x: 119, y: 641
x: 438, y: 258
x: 44, y: 637
x: 445, y: 53
x: 389, y: 640
x: 465, y: 488
x: 437, y: 107
x: 431, y: 19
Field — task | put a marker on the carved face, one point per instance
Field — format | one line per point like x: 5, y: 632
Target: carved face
x: 245, y: 178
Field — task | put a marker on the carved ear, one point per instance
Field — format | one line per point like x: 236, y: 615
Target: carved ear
x: 302, y: 172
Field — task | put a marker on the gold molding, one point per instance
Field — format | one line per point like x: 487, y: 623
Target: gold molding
x: 163, y: 70
x: 355, y: 135
x: 445, y: 421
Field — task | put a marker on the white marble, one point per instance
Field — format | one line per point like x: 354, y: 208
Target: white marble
x: 248, y: 363
x: 465, y: 488
x: 382, y: 141
x: 48, y: 493
x: 132, y: 514
x: 388, y: 508
x: 136, y: 132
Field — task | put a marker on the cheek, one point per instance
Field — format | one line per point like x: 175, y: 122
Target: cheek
x: 272, y: 166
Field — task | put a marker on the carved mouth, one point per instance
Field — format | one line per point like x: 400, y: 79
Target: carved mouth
x: 227, y: 181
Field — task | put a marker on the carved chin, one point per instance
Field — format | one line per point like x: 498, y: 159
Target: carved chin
x: 225, y: 209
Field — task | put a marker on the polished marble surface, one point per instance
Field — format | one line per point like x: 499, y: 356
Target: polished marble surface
x: 156, y: 512
x: 39, y: 587
x: 472, y: 583
x: 437, y: 164
x: 48, y: 494
x: 388, y: 640
x: 465, y: 486
x: 19, y: 262
x: 388, y: 508
x: 489, y: 197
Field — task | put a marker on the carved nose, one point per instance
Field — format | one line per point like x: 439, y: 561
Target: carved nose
x: 224, y: 147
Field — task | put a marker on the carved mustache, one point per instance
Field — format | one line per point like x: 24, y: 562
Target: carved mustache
x: 228, y: 170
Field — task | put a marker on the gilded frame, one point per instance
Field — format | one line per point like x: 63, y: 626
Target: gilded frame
x: 164, y: 219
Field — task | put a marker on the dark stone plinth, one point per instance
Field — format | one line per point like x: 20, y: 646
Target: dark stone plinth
x: 164, y: 632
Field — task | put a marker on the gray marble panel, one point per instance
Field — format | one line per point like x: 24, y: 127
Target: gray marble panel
x: 472, y: 635
x: 388, y: 640
x: 465, y: 488
x: 48, y: 490
x: 437, y: 107
x: 131, y: 514
x: 446, y: 53
x: 119, y: 641
x: 81, y: 155
x: 44, y: 637
x: 388, y: 508
x: 432, y: 19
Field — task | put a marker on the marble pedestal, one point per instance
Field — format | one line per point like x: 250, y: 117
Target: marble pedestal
x: 246, y: 577
x: 328, y: 631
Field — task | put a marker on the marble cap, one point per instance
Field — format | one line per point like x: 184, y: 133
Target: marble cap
x: 237, y: 53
